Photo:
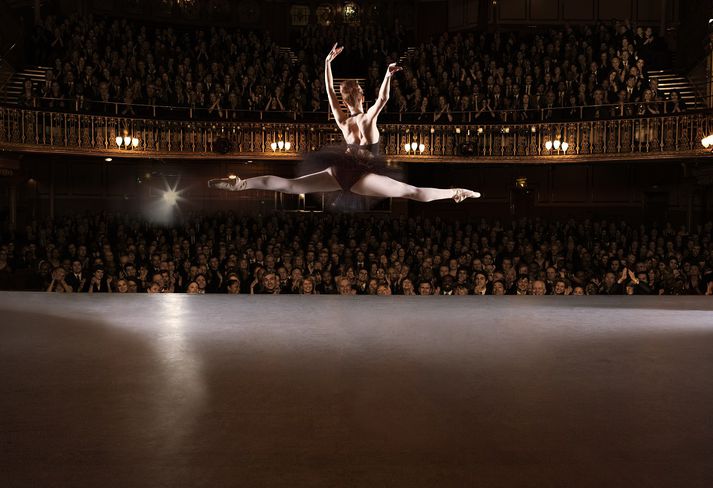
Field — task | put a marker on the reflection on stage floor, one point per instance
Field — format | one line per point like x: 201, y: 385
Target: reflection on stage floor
x: 217, y: 391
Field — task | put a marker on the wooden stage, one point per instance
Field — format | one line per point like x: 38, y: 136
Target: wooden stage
x: 222, y: 391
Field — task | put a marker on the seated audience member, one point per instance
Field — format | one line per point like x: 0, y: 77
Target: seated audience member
x: 58, y: 284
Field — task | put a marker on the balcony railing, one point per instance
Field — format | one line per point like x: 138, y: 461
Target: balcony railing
x: 673, y: 135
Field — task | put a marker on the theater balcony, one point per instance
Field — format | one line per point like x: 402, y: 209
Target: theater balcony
x: 672, y: 136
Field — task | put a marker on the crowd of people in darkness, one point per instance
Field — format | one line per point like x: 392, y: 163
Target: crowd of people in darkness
x: 356, y: 255
x: 121, y: 67
x: 98, y: 62
x: 589, y: 71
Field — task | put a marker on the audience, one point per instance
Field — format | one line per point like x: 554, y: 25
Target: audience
x: 98, y: 62
x: 354, y: 255
x: 518, y: 76
x: 118, y: 66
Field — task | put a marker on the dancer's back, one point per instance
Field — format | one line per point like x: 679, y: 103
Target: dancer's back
x: 360, y: 129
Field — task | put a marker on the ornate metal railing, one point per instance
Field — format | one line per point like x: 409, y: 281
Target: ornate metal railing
x: 674, y: 135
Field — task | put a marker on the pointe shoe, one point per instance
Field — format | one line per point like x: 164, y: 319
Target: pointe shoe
x: 229, y: 184
x: 461, y: 194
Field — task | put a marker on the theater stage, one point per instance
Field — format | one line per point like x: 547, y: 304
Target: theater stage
x: 218, y: 391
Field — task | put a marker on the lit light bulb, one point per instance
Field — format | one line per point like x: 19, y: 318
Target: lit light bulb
x: 414, y: 146
x: 548, y: 145
x: 422, y: 147
x: 556, y: 144
x: 127, y: 141
x: 480, y: 130
x: 565, y: 146
x: 407, y: 147
x: 273, y: 146
x: 119, y: 140
x: 288, y: 145
x: 135, y: 142
x: 280, y: 144
x: 232, y: 177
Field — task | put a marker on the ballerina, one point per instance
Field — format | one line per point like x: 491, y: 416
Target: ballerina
x: 356, y: 169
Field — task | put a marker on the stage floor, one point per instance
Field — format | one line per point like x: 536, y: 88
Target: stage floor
x: 220, y: 391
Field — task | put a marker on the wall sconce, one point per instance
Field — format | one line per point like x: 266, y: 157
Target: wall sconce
x: 127, y: 141
x: 557, y: 145
x: 413, y: 147
x: 281, y: 145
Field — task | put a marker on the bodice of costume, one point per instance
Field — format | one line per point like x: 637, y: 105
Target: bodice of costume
x: 370, y: 148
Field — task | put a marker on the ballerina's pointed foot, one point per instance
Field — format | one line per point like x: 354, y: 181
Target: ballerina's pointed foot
x: 229, y: 184
x: 461, y: 194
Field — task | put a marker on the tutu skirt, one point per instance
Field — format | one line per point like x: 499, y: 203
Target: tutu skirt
x: 349, y: 164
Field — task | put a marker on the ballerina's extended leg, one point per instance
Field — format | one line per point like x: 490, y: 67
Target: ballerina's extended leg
x: 373, y: 185
x: 313, y: 183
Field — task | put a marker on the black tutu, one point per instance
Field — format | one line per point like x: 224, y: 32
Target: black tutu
x: 349, y: 163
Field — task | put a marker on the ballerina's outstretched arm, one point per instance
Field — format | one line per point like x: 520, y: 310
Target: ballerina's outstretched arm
x: 337, y: 111
x: 384, y: 91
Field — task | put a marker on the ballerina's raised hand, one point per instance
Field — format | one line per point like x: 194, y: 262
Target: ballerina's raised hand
x: 393, y: 68
x: 334, y: 52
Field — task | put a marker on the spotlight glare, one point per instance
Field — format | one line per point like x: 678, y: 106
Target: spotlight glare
x: 171, y: 197
x: 108, y: 160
